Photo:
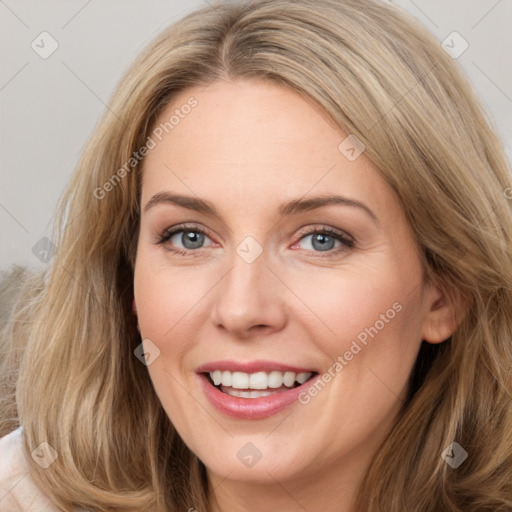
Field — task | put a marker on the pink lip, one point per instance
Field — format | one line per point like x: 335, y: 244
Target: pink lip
x: 252, y: 408
x: 250, y: 367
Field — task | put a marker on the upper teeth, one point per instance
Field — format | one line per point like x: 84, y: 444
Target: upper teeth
x: 258, y: 380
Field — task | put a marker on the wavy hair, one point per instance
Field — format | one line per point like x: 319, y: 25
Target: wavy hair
x: 378, y: 74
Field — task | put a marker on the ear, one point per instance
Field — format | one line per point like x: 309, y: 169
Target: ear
x: 444, y: 313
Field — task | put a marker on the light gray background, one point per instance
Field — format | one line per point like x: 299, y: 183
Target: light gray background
x: 49, y: 107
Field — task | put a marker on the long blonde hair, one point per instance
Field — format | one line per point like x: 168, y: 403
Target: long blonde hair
x: 379, y: 75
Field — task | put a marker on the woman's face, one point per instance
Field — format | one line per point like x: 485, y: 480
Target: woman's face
x: 244, y: 289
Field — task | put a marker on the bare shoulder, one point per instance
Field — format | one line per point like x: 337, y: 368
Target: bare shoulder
x: 18, y: 492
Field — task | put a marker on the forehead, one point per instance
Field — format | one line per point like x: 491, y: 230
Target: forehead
x: 254, y: 141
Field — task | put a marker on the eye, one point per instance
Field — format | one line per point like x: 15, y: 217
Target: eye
x: 191, y: 238
x: 324, y: 239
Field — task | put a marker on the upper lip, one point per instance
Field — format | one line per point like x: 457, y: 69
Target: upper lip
x: 251, y: 367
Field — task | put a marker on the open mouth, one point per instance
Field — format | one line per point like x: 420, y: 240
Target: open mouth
x: 257, y: 394
x: 257, y: 385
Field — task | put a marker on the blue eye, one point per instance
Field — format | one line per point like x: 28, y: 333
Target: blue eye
x: 324, y: 240
x: 193, y: 237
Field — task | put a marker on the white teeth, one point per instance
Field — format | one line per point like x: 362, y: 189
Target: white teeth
x: 289, y: 379
x: 258, y: 380
x: 216, y: 377
x: 302, y: 377
x: 275, y: 379
x: 247, y: 394
x: 240, y: 380
x: 226, y: 378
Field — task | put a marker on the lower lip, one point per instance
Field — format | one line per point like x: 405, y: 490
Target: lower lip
x: 252, y: 408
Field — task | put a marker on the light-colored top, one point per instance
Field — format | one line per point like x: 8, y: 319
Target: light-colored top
x: 18, y: 492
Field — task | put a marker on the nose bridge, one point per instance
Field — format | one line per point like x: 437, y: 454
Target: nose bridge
x: 248, y: 295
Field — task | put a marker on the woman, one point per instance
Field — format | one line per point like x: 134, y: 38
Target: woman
x: 282, y: 281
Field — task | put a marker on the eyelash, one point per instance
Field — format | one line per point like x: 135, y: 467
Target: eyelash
x: 346, y: 241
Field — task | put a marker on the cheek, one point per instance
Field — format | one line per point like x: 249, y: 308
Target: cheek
x: 168, y: 309
x: 338, y: 305
x: 169, y: 302
x: 370, y: 319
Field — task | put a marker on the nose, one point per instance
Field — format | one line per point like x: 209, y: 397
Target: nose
x: 249, y: 299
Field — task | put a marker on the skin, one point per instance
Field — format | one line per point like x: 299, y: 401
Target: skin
x: 248, y: 147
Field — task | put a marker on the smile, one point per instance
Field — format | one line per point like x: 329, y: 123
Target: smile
x: 252, y: 395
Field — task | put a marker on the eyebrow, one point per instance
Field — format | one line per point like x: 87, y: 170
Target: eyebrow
x: 289, y: 208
